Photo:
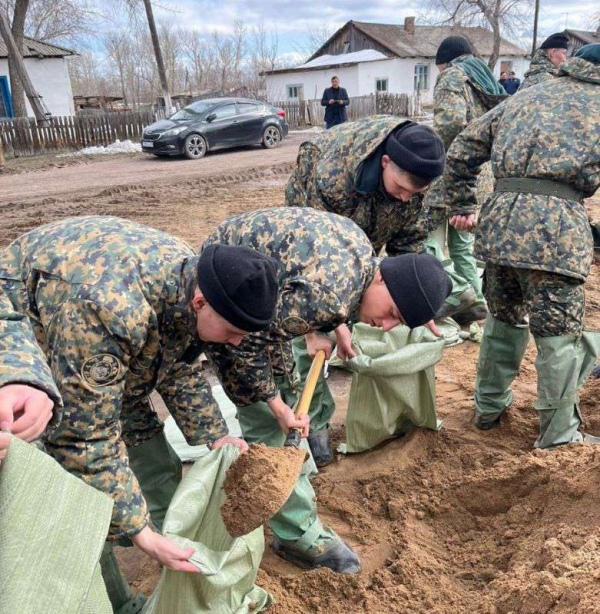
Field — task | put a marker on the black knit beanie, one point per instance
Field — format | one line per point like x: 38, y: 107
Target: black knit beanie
x: 416, y: 149
x: 240, y: 285
x: 556, y: 41
x: 451, y: 48
x: 418, y: 285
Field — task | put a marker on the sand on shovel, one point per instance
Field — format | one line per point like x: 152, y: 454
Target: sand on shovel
x: 257, y: 484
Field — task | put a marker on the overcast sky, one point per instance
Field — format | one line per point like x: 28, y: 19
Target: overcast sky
x: 292, y: 19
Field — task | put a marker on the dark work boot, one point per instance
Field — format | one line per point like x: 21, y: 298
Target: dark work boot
x: 320, y: 447
x: 485, y: 425
x: 465, y: 300
x: 471, y: 314
x: 336, y: 555
x: 596, y: 372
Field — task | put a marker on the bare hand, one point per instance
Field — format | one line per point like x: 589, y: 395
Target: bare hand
x: 344, y: 343
x: 331, y: 101
x: 463, y: 222
x: 228, y: 439
x: 432, y: 326
x: 340, y: 102
x: 4, y: 443
x: 316, y: 342
x: 164, y: 550
x: 286, y: 419
x: 24, y: 410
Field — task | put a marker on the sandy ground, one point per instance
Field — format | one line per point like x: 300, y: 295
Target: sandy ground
x: 445, y: 522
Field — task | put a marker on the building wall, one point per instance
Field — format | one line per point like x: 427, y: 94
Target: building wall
x: 50, y: 77
x: 360, y: 80
x: 313, y: 82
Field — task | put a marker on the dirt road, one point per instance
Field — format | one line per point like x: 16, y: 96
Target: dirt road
x: 141, y: 169
x: 450, y: 522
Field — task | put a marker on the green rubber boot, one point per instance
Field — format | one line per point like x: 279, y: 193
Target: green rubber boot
x: 563, y: 364
x: 500, y: 356
x: 300, y: 537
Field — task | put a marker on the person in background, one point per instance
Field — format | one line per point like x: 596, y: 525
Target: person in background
x: 335, y: 100
x: 511, y: 85
x: 503, y: 77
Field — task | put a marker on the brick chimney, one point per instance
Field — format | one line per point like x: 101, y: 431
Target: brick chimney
x: 409, y: 25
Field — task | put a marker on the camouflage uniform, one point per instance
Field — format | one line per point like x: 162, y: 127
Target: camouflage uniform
x: 536, y: 241
x: 458, y: 100
x: 109, y: 303
x: 21, y: 359
x: 541, y: 69
x: 326, y: 264
x: 327, y: 177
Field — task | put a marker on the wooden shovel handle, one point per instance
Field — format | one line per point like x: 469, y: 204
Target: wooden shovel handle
x: 310, y: 384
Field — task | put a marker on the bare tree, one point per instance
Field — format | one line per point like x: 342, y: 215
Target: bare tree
x: 199, y: 55
x: 499, y: 15
x: 264, y: 50
x: 315, y: 39
x: 18, y: 31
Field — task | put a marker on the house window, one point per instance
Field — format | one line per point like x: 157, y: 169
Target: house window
x: 421, y: 77
x: 295, y: 91
x: 381, y: 85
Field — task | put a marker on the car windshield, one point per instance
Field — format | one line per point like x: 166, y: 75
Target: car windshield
x: 193, y: 111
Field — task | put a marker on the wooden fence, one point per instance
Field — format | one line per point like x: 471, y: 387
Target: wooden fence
x: 24, y: 137
x: 302, y: 113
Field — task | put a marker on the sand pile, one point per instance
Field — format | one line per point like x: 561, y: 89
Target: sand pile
x: 257, y: 485
x: 461, y: 521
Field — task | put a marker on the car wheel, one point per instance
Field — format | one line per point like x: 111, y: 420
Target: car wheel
x: 271, y: 137
x: 194, y: 147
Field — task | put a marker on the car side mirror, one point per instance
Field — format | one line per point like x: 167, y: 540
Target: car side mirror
x: 211, y: 117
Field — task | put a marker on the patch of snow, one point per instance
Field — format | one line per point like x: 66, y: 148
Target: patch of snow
x: 366, y: 55
x: 310, y: 130
x: 101, y: 150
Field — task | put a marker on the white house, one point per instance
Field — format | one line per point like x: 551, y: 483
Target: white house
x: 47, y: 67
x: 371, y: 57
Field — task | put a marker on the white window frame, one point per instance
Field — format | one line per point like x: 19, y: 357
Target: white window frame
x: 418, y: 74
x: 300, y: 87
x: 385, y: 80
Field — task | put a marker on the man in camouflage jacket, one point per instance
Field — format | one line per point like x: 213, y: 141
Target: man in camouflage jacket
x: 328, y: 273
x: 546, y: 61
x: 354, y: 170
x: 534, y: 236
x: 117, y: 310
x: 465, y: 90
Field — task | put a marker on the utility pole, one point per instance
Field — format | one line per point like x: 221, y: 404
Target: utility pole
x: 35, y: 100
x: 162, y: 73
x: 535, y: 26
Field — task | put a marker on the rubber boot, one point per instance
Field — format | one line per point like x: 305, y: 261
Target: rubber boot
x: 320, y: 447
x: 596, y: 372
x: 337, y: 556
x: 563, y: 364
x: 121, y: 598
x: 500, y: 356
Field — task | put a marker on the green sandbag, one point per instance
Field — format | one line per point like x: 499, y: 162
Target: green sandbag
x: 228, y: 566
x: 52, y: 531
x: 393, y: 384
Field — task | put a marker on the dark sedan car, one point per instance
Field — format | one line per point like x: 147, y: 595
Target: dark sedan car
x: 217, y: 123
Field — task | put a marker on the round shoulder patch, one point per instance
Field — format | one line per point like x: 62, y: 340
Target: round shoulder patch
x: 101, y: 370
x: 295, y: 326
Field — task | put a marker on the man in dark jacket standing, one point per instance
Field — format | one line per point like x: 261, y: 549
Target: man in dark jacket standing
x: 512, y: 84
x: 335, y: 100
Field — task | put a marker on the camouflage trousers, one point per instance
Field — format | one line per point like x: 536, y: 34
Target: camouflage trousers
x: 551, y: 304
